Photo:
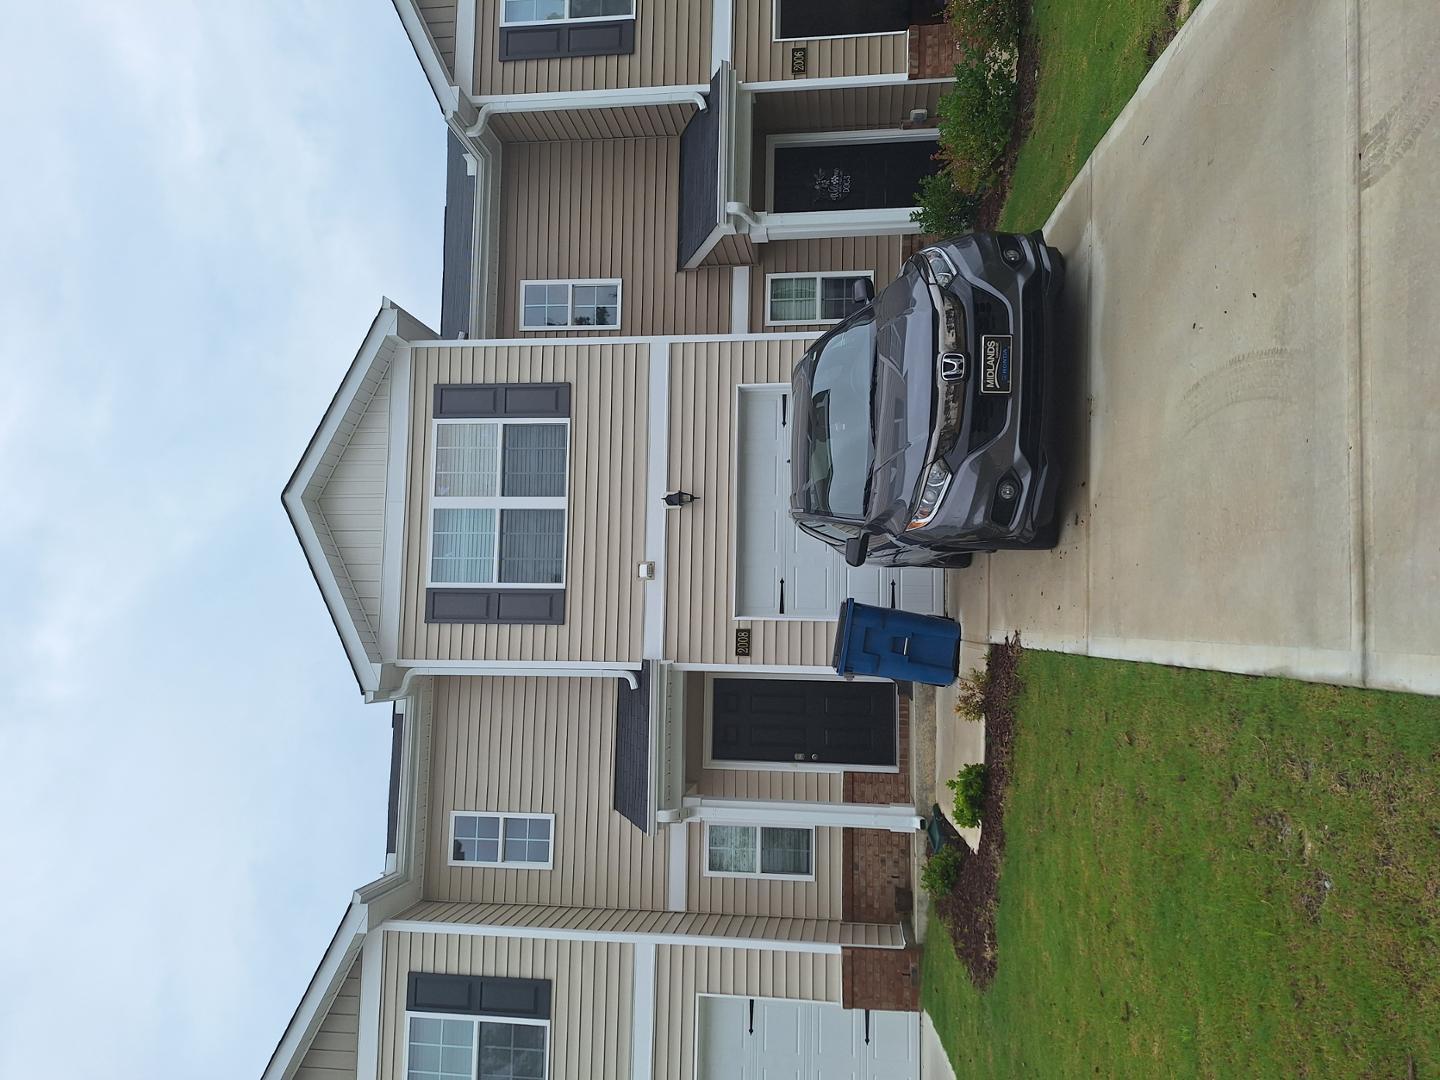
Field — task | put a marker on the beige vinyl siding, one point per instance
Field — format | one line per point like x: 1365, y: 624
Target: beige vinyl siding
x: 684, y: 972
x: 604, y: 208
x: 439, y: 16
x: 353, y: 501
x: 632, y: 122
x: 591, y: 1004
x: 604, y: 614
x: 795, y: 785
x: 545, y: 746
x: 847, y: 108
x: 880, y: 254
x: 699, y: 585
x: 818, y: 899
x: 759, y: 58
x: 672, y: 48
x: 331, y: 1055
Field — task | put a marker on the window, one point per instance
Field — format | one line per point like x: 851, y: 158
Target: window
x: 522, y: 841
x: 798, y: 299
x: 568, y: 305
x: 539, y: 11
x: 499, y: 502
x: 451, y: 1048
x: 759, y: 851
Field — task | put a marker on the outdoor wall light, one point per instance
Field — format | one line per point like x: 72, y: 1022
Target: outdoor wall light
x: 676, y: 499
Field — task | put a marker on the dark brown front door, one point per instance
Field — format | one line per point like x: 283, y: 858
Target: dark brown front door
x: 851, y: 175
x: 843, y: 18
x: 809, y: 721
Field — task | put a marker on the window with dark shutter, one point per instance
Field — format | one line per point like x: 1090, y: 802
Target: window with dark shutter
x: 544, y: 29
x: 498, y: 515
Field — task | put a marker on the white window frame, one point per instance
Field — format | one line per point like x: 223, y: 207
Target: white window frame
x: 775, y: 30
x: 502, y: 864
x: 818, y: 276
x: 566, y: 18
x: 498, y: 503
x: 571, y: 324
x: 476, y: 1020
x: 757, y: 874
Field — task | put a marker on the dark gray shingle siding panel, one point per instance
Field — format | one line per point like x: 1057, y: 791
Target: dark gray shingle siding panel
x: 632, y: 752
x: 392, y: 816
x: 700, y: 175
x: 455, y: 287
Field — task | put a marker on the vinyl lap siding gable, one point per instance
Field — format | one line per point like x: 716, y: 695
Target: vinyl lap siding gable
x: 353, y: 503
x: 439, y: 16
x: 332, y: 1053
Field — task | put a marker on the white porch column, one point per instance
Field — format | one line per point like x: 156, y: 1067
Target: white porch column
x: 892, y: 818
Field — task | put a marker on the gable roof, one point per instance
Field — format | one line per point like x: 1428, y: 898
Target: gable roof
x: 304, y: 494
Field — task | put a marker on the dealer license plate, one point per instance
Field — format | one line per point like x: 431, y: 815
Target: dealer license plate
x: 995, y: 353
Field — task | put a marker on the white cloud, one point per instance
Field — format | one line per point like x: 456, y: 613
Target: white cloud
x: 203, y: 207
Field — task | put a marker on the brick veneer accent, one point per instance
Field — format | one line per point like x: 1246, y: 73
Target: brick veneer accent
x: 886, y: 979
x: 885, y: 788
x: 934, y: 51
x: 877, y: 863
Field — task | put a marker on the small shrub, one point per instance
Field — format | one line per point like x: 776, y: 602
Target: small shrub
x: 986, y: 24
x: 975, y: 121
x: 945, y: 210
x: 970, y: 696
x: 969, y: 789
x: 941, y: 871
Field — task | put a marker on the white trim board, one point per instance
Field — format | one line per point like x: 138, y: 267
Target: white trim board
x: 642, y: 1012
x: 838, y: 82
x: 540, y: 933
x: 657, y: 471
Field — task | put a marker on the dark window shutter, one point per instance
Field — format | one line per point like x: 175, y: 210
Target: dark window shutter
x: 495, y: 606
x: 613, y: 38
x: 443, y: 993
x: 480, y: 401
x: 479, y: 995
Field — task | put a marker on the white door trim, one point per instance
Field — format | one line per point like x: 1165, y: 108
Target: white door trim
x: 642, y: 1013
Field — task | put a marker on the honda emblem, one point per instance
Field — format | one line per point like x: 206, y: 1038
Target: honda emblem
x: 952, y: 366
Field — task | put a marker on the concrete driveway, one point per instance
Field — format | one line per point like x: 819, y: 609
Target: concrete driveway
x: 1254, y: 321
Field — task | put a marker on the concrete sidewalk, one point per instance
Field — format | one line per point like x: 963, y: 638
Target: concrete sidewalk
x: 1254, y: 326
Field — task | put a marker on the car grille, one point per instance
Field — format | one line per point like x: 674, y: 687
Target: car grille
x: 987, y: 411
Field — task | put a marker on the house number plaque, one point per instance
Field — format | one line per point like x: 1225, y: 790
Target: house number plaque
x: 742, y: 642
x: 799, y: 60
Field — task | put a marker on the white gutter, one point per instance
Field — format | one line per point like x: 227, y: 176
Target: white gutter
x: 552, y: 668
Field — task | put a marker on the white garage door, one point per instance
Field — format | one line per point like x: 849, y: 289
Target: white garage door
x: 804, y: 1040
x: 780, y: 571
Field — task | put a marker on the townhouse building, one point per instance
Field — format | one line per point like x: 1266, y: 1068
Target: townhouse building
x: 639, y: 828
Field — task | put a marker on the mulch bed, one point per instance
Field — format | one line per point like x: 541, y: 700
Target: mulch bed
x: 968, y: 912
x: 1027, y: 75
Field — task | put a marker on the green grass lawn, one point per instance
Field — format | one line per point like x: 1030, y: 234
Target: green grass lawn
x: 1208, y: 875
x: 1093, y: 54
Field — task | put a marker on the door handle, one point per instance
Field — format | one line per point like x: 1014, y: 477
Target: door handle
x: 814, y: 757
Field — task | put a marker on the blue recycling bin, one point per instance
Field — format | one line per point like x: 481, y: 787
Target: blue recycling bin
x: 899, y: 645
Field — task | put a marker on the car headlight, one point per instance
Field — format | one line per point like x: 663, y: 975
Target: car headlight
x: 932, y: 492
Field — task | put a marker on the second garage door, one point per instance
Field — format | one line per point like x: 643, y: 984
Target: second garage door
x: 755, y: 1039
x: 780, y: 571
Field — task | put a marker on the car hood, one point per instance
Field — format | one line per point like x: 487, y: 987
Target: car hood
x: 905, y: 337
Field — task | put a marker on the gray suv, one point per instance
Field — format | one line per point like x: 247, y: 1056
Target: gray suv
x: 925, y: 421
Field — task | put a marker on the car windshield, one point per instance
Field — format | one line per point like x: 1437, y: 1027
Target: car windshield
x: 838, y: 444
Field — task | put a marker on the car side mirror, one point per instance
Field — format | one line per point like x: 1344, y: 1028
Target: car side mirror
x: 863, y: 291
x: 856, y: 548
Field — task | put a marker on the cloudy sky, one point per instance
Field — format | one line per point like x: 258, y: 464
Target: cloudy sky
x: 203, y: 204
